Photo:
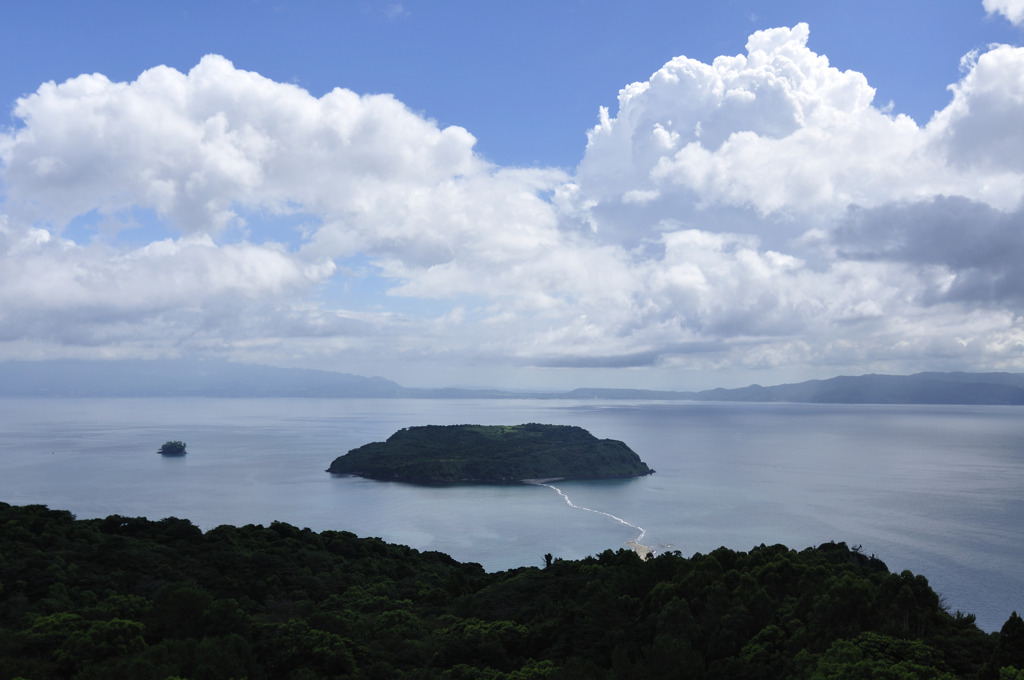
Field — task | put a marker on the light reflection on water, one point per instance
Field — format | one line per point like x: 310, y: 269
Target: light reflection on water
x: 937, y: 490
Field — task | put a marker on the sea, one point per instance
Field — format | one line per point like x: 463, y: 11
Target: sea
x: 936, y: 490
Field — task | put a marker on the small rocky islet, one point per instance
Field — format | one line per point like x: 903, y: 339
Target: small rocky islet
x: 491, y: 454
x: 174, y: 448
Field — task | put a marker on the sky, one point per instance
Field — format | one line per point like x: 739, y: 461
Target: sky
x: 530, y: 195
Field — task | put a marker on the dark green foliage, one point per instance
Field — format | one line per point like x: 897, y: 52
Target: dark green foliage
x: 172, y: 449
x: 1009, y: 649
x: 132, y: 598
x: 491, y: 453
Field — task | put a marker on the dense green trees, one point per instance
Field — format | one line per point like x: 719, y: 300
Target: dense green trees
x: 131, y: 598
x: 491, y: 453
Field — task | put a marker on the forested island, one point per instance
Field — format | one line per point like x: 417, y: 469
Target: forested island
x: 130, y: 598
x: 436, y: 454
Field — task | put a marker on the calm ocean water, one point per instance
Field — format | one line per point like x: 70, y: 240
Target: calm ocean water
x: 936, y: 490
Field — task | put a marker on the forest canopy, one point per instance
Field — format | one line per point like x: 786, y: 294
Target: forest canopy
x: 491, y: 453
x: 136, y: 599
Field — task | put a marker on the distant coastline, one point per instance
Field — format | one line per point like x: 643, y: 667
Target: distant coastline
x: 186, y: 378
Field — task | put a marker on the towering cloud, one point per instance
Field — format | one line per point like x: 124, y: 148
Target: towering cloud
x: 756, y: 211
x: 783, y: 134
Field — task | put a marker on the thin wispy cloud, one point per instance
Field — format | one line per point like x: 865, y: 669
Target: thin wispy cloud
x: 395, y: 11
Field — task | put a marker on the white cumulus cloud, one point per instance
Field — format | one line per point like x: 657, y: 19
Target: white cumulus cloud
x: 755, y: 212
x: 1013, y: 10
x: 780, y: 132
x: 194, y: 146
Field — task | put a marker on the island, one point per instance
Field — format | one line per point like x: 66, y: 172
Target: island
x: 495, y: 454
x: 172, y: 449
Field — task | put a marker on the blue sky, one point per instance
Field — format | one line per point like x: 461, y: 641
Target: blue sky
x: 457, y: 193
x: 525, y: 78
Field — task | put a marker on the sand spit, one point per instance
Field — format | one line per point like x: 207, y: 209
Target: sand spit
x: 643, y: 551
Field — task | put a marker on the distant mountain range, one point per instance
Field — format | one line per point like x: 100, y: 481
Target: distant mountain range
x: 920, y: 388
x: 182, y: 378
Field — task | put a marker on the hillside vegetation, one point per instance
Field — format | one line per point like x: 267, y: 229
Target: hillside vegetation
x: 128, y: 598
x: 491, y: 453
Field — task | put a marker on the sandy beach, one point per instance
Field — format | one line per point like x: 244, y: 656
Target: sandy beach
x: 642, y: 550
